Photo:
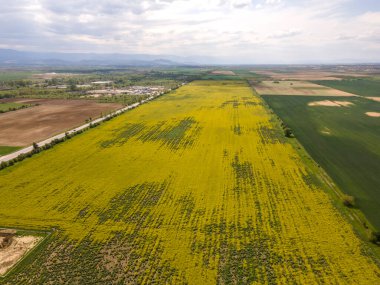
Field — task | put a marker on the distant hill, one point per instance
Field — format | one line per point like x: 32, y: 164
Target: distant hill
x: 9, y: 57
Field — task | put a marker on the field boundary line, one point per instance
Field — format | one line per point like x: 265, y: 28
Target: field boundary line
x: 29, y: 149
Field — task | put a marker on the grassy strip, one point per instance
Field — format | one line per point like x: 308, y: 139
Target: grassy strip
x: 8, y: 107
x: 8, y: 149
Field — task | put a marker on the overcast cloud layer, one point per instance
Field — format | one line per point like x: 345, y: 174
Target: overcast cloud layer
x: 237, y: 31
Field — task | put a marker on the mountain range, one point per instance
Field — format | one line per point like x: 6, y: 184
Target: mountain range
x: 10, y: 57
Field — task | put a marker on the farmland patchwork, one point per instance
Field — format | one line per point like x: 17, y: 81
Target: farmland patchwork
x: 196, y: 187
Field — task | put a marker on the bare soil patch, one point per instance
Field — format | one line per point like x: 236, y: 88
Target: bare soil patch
x: 300, y: 88
x: 326, y: 131
x: 373, y: 114
x: 377, y: 99
x: 51, y: 75
x: 223, y: 72
x: 50, y: 117
x: 11, y: 254
x: 329, y: 103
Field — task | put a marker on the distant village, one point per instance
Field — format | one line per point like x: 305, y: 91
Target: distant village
x: 106, y: 90
x: 132, y: 90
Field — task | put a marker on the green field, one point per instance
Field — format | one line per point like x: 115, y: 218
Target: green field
x: 5, y: 107
x: 14, y: 75
x: 218, y: 77
x: 343, y: 140
x: 359, y: 86
x: 197, y: 187
x: 7, y: 149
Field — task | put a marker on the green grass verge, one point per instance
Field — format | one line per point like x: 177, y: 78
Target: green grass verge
x: 11, y: 106
x: 343, y: 140
x: 8, y: 149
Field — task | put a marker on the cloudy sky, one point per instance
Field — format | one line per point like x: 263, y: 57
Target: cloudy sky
x: 236, y: 31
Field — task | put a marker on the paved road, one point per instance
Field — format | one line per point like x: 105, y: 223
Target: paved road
x: 61, y: 135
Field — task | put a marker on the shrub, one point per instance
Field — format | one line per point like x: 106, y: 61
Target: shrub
x: 35, y: 146
x: 374, y: 237
x: 288, y: 132
x: 3, y: 164
x: 349, y: 201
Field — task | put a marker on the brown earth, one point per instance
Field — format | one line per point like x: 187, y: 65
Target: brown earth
x: 329, y: 103
x: 50, y: 117
x: 300, y: 88
x: 223, y: 72
x: 10, y: 255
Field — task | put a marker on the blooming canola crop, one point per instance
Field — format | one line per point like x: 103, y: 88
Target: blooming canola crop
x: 199, y: 186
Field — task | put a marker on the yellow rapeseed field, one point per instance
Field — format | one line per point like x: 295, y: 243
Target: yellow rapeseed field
x: 197, y: 187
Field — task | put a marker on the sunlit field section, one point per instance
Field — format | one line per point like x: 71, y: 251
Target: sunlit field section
x: 197, y: 187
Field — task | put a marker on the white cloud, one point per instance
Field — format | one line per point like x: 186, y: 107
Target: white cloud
x: 258, y: 30
x: 284, y: 34
x: 372, y: 18
x: 241, y: 3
